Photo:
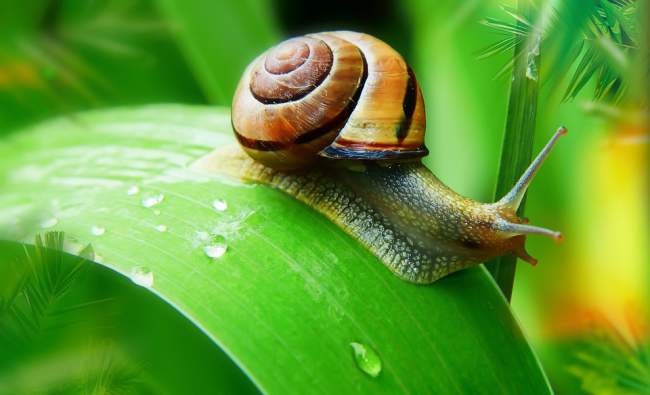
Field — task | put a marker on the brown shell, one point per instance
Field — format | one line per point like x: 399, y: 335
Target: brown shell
x: 340, y: 95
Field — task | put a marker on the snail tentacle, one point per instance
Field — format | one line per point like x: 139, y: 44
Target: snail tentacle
x: 514, y: 197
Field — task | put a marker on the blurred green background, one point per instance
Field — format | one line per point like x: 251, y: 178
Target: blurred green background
x: 584, y: 307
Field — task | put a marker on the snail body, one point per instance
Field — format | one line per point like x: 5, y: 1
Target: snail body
x: 337, y: 121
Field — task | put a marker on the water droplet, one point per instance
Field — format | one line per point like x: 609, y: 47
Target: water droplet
x: 134, y: 190
x: 531, y: 71
x: 142, y: 276
x: 367, y: 359
x: 215, y: 251
x: 219, y: 205
x: 152, y: 200
x: 97, y: 230
x: 50, y: 222
x: 161, y: 228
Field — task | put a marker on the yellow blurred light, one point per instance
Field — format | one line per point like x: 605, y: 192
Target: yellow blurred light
x: 18, y: 74
x: 610, y: 277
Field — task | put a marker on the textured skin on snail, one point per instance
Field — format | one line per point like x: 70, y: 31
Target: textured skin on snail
x: 420, y: 229
x: 336, y: 120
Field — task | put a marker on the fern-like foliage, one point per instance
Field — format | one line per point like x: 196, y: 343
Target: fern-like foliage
x: 50, y: 49
x: 517, y: 32
x: 608, y: 45
x: 42, y: 281
x: 95, y: 369
x: 605, y: 363
x: 33, y: 301
x: 598, y: 40
x: 113, y: 374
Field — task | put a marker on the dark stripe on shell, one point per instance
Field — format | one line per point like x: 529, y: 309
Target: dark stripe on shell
x: 335, y: 124
x: 408, y: 104
x: 260, y: 145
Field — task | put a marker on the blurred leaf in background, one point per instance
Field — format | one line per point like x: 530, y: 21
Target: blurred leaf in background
x: 604, y: 361
x: 60, y: 56
x: 220, y: 38
x: 386, y: 19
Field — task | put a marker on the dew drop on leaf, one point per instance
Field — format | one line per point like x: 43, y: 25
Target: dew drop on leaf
x: 161, y: 228
x: 142, y: 276
x: 215, y: 251
x: 366, y: 358
x: 133, y: 190
x: 97, y: 230
x: 50, y: 222
x: 152, y: 200
x: 531, y: 72
x: 219, y: 205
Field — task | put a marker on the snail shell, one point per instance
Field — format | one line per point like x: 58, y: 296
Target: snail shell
x: 339, y: 95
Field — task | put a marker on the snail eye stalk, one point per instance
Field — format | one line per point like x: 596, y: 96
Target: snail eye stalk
x: 512, y: 199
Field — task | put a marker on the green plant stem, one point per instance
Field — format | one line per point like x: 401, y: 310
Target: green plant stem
x: 517, y: 147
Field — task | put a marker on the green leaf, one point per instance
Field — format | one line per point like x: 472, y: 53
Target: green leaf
x: 290, y: 294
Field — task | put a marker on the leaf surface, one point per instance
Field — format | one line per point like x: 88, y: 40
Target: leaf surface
x: 291, y: 292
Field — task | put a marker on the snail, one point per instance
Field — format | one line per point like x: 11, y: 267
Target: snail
x: 337, y: 121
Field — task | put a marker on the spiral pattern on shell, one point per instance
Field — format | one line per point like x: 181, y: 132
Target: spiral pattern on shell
x: 339, y: 95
